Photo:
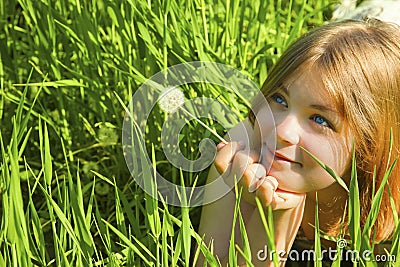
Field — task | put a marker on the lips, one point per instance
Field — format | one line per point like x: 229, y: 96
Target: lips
x: 281, y: 157
x: 277, y: 157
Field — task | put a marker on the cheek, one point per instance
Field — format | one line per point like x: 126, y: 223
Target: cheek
x: 335, y: 154
x: 264, y: 128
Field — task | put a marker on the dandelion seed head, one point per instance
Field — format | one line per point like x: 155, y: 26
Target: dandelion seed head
x: 171, y: 99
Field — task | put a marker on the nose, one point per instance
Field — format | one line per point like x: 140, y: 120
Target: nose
x: 288, y: 130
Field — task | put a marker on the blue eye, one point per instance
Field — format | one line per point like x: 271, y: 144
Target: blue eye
x: 279, y: 99
x: 321, y: 120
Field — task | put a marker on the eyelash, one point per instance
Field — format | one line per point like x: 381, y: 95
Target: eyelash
x: 275, y: 97
x: 327, y: 123
x: 280, y: 100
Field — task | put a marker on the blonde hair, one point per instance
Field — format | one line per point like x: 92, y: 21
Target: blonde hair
x: 359, y: 63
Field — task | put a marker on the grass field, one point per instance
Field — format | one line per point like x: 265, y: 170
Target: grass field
x: 67, y: 68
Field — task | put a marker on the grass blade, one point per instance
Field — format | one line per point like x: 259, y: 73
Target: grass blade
x: 337, y: 178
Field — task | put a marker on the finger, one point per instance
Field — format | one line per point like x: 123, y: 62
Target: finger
x: 220, y: 146
x: 253, y: 176
x: 265, y: 179
x: 266, y: 191
x: 225, y: 156
x: 287, y: 200
x: 240, y: 164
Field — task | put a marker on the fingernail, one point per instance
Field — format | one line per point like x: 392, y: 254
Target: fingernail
x: 253, y: 187
x: 273, y: 182
x: 221, y: 145
x: 256, y: 184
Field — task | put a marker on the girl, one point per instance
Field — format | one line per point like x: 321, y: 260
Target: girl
x: 334, y: 88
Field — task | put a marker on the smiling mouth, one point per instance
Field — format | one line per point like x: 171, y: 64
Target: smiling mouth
x: 276, y: 156
x: 279, y: 157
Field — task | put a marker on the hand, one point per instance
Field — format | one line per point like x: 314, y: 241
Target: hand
x: 237, y: 164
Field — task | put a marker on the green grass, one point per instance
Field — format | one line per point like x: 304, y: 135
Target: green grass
x: 67, y: 68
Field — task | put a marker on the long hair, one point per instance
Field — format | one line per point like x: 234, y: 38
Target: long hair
x: 359, y: 63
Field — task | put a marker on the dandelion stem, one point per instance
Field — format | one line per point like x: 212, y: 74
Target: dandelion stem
x: 204, y: 125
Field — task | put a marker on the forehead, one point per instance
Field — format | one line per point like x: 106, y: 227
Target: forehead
x: 312, y: 86
x: 308, y: 83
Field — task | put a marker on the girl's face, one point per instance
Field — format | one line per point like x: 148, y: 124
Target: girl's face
x: 304, y: 117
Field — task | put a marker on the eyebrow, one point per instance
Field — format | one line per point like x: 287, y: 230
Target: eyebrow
x: 284, y: 88
x: 322, y: 108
